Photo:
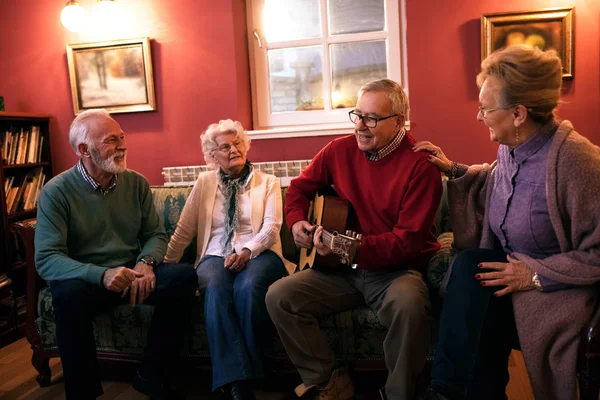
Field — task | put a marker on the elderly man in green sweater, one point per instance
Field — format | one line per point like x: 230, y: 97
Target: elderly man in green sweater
x: 98, y: 241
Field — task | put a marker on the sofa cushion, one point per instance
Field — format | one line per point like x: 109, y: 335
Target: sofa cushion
x: 353, y: 335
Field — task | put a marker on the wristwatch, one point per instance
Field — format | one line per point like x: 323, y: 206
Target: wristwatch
x: 536, y: 282
x: 148, y: 260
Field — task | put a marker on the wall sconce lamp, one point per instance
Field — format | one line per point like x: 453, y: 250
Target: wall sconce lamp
x: 73, y: 16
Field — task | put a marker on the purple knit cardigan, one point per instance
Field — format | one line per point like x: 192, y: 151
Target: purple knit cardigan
x: 549, y: 324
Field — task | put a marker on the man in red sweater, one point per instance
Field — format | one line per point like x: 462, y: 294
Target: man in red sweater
x: 394, y: 193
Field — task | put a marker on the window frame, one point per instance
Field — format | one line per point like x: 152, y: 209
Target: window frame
x: 323, y: 122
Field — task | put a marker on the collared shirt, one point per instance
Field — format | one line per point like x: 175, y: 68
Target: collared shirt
x: 111, y: 185
x: 519, y: 214
x: 387, y: 149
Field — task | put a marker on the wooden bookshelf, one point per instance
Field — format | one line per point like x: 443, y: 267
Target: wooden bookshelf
x: 39, y: 164
x: 18, y: 171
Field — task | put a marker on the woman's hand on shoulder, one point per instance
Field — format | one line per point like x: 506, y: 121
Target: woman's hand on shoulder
x: 437, y: 157
x: 514, y: 274
x: 237, y: 262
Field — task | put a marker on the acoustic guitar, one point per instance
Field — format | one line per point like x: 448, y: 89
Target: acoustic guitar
x: 332, y: 213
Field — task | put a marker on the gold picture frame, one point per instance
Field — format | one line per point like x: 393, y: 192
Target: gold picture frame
x: 548, y: 29
x: 115, y: 75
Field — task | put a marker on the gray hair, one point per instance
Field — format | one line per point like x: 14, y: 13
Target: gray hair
x: 209, y: 138
x: 394, y: 91
x: 80, y: 128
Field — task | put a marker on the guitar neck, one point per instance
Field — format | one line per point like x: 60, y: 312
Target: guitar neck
x: 327, y: 238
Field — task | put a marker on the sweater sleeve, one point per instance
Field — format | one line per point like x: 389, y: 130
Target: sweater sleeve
x: 152, y: 236
x: 272, y: 220
x: 51, y: 254
x: 302, y: 189
x: 187, y: 226
x: 466, y: 199
x: 409, y: 238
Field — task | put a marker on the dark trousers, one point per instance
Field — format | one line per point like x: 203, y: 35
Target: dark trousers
x: 76, y: 302
x: 477, y: 333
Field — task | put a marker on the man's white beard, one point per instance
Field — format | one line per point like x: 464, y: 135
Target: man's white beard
x: 109, y: 164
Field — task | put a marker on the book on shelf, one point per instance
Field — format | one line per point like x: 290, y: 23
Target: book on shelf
x: 22, y: 146
x: 8, y: 184
x: 24, y: 195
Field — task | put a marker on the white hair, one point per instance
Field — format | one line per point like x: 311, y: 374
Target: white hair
x: 80, y: 128
x: 209, y: 136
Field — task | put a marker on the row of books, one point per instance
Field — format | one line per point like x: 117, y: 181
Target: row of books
x: 22, y: 194
x: 22, y: 147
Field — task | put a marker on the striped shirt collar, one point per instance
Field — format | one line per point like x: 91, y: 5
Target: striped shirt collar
x: 88, y: 178
x: 387, y: 149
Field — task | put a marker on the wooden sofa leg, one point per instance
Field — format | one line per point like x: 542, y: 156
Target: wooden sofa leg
x: 41, y: 362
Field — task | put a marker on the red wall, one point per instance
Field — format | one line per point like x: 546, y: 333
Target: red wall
x: 201, y: 75
x: 444, y: 57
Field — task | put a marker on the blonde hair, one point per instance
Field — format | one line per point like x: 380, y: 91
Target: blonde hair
x: 393, y: 90
x: 529, y: 76
x: 209, y: 138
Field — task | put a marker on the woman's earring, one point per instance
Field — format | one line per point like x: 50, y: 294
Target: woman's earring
x: 517, y: 135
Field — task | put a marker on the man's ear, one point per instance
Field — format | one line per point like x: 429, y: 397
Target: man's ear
x: 400, y: 122
x: 83, y: 150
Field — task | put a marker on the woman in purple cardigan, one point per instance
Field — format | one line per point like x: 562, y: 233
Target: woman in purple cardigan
x: 530, y: 227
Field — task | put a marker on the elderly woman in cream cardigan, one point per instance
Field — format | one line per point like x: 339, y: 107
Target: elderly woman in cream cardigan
x: 235, y: 214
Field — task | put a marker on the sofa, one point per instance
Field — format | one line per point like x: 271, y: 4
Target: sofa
x: 355, y: 335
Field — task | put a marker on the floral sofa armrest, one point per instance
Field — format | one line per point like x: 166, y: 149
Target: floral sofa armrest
x: 440, y: 262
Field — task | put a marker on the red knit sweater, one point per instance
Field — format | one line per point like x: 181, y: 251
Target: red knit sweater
x: 394, y: 200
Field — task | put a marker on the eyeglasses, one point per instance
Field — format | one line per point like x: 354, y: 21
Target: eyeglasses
x: 486, y: 111
x: 225, y: 148
x: 369, y: 122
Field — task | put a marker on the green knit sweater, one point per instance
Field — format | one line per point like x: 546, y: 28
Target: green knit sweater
x: 80, y: 232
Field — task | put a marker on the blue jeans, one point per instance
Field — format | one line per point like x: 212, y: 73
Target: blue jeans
x: 236, y: 315
x: 477, y: 333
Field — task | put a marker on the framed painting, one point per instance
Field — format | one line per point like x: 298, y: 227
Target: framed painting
x: 114, y: 75
x: 547, y: 29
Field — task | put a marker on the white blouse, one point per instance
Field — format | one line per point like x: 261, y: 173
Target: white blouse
x: 242, y: 236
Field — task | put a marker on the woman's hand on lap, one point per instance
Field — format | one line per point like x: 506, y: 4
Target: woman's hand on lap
x: 514, y: 274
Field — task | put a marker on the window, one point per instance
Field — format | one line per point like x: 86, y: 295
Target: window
x: 310, y: 57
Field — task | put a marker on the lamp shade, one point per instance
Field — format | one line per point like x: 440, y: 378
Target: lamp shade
x: 73, y: 16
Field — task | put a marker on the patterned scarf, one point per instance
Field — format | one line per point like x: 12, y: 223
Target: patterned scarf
x: 230, y: 188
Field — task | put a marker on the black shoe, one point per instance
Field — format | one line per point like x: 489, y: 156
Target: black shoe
x: 236, y: 391
x: 155, y: 386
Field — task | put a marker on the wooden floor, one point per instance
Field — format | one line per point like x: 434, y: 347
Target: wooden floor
x: 17, y: 381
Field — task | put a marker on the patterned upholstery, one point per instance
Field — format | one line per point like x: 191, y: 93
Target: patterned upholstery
x: 354, y: 335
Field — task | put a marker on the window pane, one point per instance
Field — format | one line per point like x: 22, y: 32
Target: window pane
x: 353, y: 65
x: 356, y: 16
x: 291, y: 20
x: 296, y: 78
